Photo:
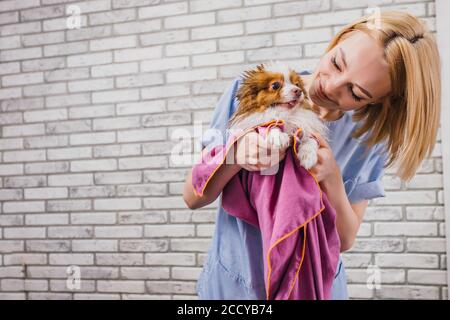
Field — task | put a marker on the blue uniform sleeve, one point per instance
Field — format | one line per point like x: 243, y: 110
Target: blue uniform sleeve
x: 223, y: 111
x: 368, y: 185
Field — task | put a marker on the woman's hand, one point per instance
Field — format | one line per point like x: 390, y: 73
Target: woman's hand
x: 326, y: 170
x: 254, y: 153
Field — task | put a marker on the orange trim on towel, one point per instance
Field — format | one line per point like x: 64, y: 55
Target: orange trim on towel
x: 299, y: 130
x: 290, y: 233
x: 301, y: 261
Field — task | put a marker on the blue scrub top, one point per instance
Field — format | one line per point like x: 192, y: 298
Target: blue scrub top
x: 234, y: 266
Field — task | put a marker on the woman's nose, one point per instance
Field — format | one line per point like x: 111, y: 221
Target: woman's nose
x: 332, y: 86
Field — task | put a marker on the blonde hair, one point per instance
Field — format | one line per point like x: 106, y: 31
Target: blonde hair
x: 408, y: 118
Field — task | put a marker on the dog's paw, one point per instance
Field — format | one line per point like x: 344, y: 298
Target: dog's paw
x: 278, y: 139
x: 307, y: 154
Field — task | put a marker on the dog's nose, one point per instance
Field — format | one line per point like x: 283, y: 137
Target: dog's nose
x: 297, y: 92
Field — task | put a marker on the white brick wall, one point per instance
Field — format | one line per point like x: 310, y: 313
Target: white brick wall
x: 86, y: 121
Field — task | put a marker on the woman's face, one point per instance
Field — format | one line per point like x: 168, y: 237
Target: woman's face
x: 351, y: 75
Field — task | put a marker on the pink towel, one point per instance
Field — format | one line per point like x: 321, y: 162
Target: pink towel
x: 300, y: 242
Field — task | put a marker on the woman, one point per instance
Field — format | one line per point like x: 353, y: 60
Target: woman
x: 377, y: 87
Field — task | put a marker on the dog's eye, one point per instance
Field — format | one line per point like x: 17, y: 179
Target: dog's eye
x: 276, y: 85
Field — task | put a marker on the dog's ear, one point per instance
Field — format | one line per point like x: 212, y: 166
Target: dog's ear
x: 260, y: 67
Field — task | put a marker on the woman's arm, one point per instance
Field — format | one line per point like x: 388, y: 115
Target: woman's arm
x: 214, y: 188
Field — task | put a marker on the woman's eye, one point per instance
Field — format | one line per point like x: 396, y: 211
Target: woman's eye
x: 276, y: 85
x: 355, y: 97
x: 335, y: 64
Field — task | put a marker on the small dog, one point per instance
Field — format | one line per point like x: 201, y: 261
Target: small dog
x: 273, y: 91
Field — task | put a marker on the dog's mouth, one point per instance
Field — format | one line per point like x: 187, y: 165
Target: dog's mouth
x: 290, y: 104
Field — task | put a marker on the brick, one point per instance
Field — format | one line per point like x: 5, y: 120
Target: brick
x: 117, y: 204
x: 9, y: 17
x: 143, y: 163
x: 112, y: 43
x: 93, y: 165
x: 140, y: 80
x: 91, y: 112
x: 70, y: 180
x: 44, y: 89
x: 164, y: 37
x: 71, y: 259
x: 119, y: 232
x: 87, y: 33
x: 9, y: 67
x: 130, y: 273
x: 169, y: 231
x: 207, y: 5
x: 243, y: 14
x: 72, y: 205
x: 48, y: 245
x: 7, y: 246
x: 147, y: 245
x: 10, y: 220
x: 137, y: 27
x: 198, y: 74
x: 70, y: 232
x: 24, y: 233
x: 189, y: 245
x: 21, y: 28
x: 69, y: 153
x: 115, y: 96
x: 114, y: 69
x: 92, y: 138
x: 304, y: 36
x: 408, y: 292
x: 210, y: 32
x: 93, y: 218
x: 406, y: 197
x: 122, y: 259
x: 142, y: 135
x: 330, y: 18
x: 406, y: 228
x: 28, y: 206
x: 192, y: 47
x: 10, y: 42
x: 171, y: 287
x: 113, y: 16
x: 61, y: 285
x: 90, y: 85
x: 436, y: 277
x: 178, y: 259
x: 162, y: 10
x: 94, y: 245
x: 47, y: 219
x: 65, y: 48
x: 187, y: 21
x: 426, y: 245
x: 117, y: 150
x: 407, y: 260
x: 121, y: 286
x: 24, y: 285
x: 61, y: 23
x: 89, y: 59
x: 142, y: 190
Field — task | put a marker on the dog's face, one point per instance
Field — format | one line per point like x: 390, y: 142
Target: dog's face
x: 269, y: 85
